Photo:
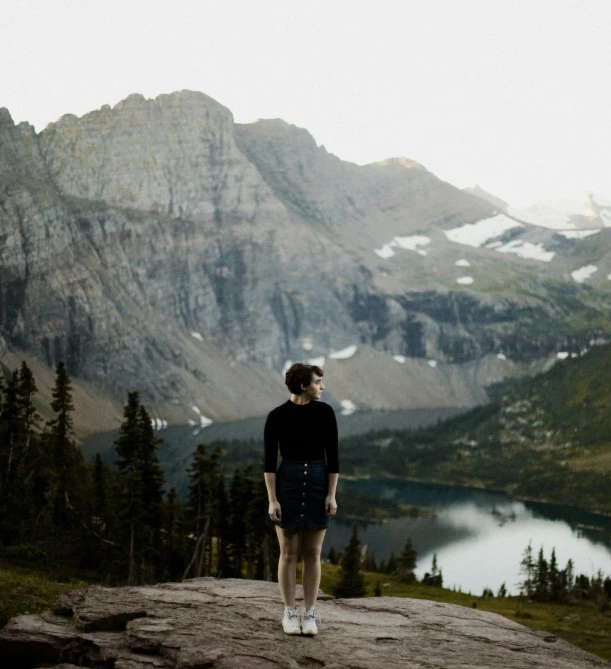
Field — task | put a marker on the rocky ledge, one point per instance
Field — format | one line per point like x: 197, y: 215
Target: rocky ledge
x: 234, y: 623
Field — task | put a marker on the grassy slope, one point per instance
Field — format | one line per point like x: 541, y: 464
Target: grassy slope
x: 31, y: 589
x: 546, y: 438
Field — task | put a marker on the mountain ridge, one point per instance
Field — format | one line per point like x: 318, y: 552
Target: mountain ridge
x: 157, y: 245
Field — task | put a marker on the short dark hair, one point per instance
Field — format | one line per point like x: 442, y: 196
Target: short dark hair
x: 300, y: 374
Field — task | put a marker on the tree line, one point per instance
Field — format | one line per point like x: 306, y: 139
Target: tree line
x: 118, y: 521
x: 354, y: 561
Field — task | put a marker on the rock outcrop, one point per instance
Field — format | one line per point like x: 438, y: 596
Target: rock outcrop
x: 235, y: 624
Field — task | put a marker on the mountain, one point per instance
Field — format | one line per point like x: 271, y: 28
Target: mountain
x: 158, y: 246
x: 501, y: 205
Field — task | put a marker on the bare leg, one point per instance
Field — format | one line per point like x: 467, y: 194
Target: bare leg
x: 287, y: 566
x: 311, y: 546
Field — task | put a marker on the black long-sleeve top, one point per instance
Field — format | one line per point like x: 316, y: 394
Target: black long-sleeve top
x: 303, y: 432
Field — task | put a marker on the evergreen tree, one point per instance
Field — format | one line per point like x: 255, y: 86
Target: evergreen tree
x: 129, y: 486
x: 406, y: 563
x: 378, y: 589
x: 351, y: 582
x: 527, y: 568
x: 101, y: 501
x: 435, y: 577
x: 221, y: 524
x: 201, y: 505
x: 20, y: 455
x: 174, y: 557
x: 240, y: 495
x: 332, y: 555
x: 151, y: 486
x: 63, y: 452
x: 541, y: 590
x: 261, y: 535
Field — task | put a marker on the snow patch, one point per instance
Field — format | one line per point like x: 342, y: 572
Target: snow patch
x: 203, y: 420
x: 583, y: 273
x: 197, y: 336
x: 348, y: 407
x: 319, y: 362
x: 159, y: 424
x: 385, y: 252
x: 399, y: 358
x: 462, y: 263
x: 344, y: 354
x: 577, y: 234
x: 306, y: 344
x: 432, y: 363
x: 562, y: 355
x: 410, y: 243
x: 464, y: 280
x: 422, y: 252
x: 477, y: 234
x: 501, y: 356
x: 527, y: 250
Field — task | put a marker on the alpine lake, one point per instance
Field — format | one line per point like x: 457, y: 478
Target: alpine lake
x: 479, y: 536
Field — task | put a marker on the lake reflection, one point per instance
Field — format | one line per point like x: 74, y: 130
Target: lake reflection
x: 479, y: 537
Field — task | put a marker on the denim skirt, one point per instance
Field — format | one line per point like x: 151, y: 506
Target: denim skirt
x: 301, y: 489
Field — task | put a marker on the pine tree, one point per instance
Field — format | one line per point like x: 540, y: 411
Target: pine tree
x: 62, y: 450
x: 406, y: 563
x: 129, y: 485
x: 101, y: 502
x: 200, y: 507
x: 391, y: 565
x: 351, y: 582
x: 527, y: 568
x: 174, y: 557
x: 541, y: 591
x: 20, y: 454
x: 240, y: 494
x: 435, y: 577
x: 151, y: 485
x: 222, y: 530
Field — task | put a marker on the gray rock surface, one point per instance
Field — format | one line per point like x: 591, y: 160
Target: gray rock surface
x: 235, y: 623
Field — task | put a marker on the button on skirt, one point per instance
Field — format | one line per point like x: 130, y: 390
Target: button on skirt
x: 301, y: 489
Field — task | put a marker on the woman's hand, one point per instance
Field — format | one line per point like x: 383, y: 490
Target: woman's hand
x: 274, y: 511
x: 330, y: 505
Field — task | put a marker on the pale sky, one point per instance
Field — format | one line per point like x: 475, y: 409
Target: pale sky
x: 513, y: 95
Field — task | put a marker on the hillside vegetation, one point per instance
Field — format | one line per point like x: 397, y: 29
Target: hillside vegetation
x: 546, y: 438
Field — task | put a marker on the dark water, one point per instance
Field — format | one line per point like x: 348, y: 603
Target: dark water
x: 479, y: 536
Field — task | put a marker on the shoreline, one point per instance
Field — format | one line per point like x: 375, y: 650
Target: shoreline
x: 547, y: 502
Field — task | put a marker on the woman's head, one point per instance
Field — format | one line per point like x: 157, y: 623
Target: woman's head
x: 301, y: 377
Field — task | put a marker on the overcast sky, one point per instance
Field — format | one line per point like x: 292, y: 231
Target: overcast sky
x: 514, y: 95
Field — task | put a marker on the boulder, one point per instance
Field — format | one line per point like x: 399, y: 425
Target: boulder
x: 234, y: 623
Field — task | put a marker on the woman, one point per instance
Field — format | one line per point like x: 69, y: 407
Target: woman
x: 302, y: 492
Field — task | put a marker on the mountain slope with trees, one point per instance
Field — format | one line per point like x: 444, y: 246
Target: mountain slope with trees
x: 546, y: 438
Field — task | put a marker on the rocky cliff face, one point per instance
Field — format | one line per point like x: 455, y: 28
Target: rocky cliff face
x: 158, y: 246
x: 235, y: 623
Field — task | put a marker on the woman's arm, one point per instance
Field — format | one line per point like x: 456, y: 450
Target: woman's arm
x: 275, y: 513
x: 330, y: 503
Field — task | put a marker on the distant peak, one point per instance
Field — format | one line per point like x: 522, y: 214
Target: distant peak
x: 400, y: 162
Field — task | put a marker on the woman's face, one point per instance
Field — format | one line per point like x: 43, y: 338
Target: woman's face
x: 314, y: 390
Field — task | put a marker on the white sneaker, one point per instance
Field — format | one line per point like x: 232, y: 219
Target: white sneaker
x: 308, y: 623
x: 290, y: 621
